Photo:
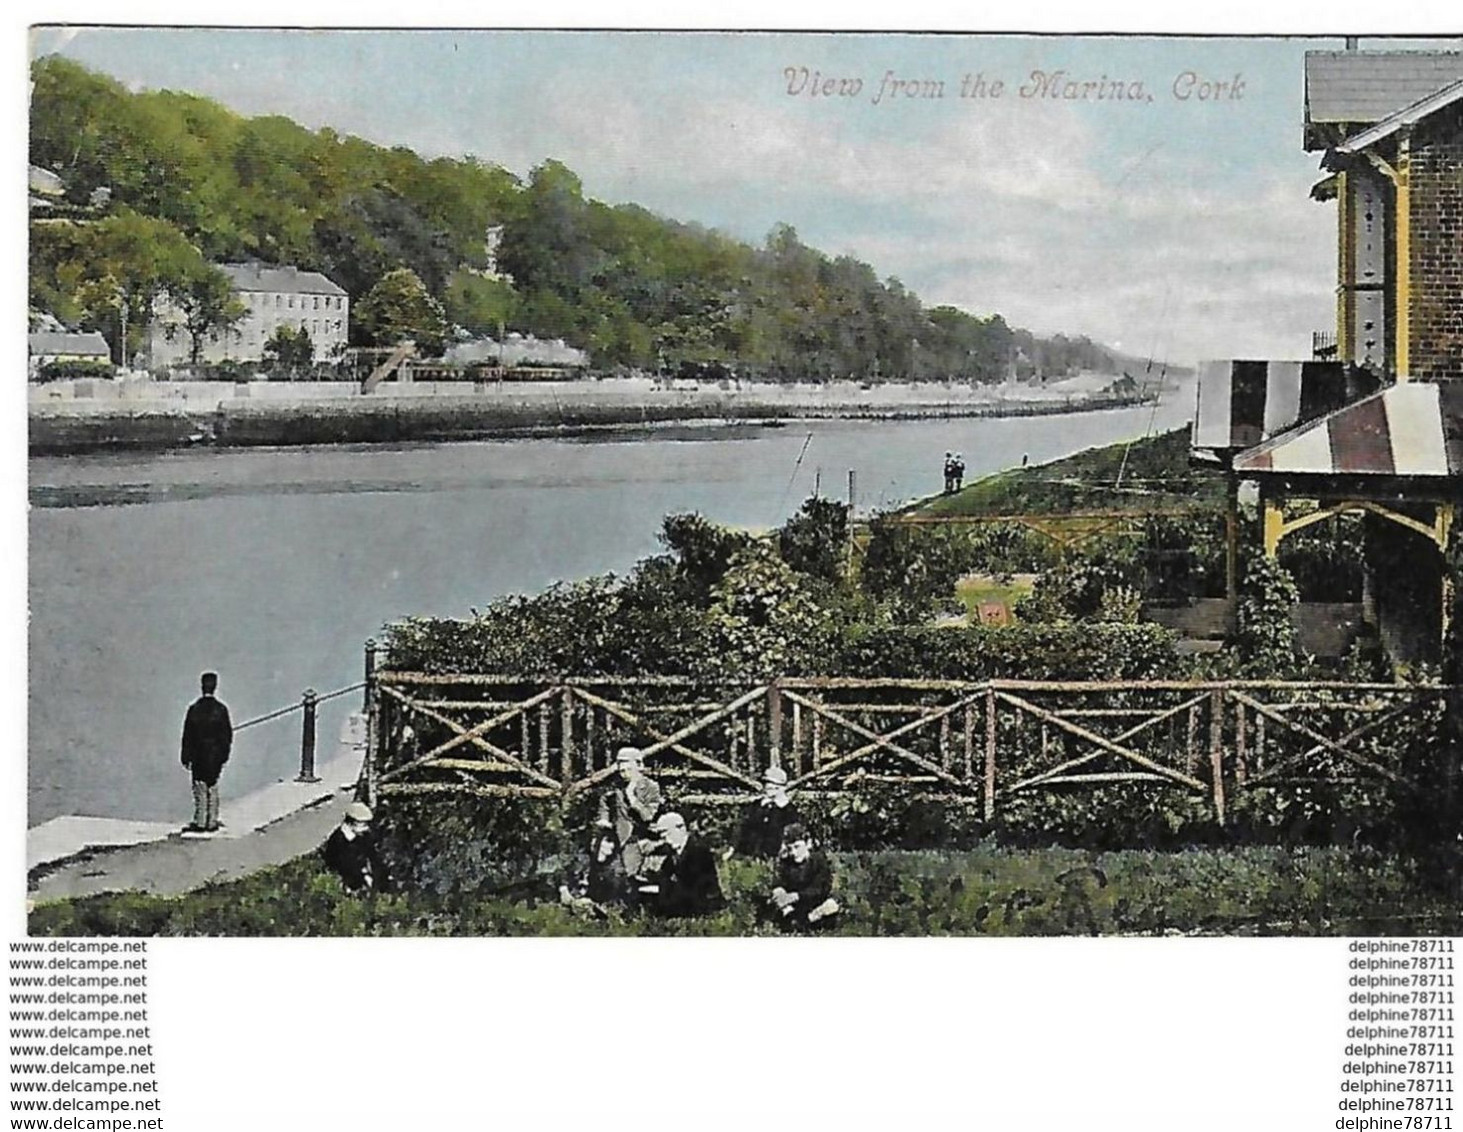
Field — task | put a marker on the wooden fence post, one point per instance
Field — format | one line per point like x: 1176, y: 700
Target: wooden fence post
x: 990, y: 752
x: 1216, y: 750
x: 969, y: 741
x: 797, y: 738
x: 566, y: 738
x: 774, y: 724
x: 1241, y: 770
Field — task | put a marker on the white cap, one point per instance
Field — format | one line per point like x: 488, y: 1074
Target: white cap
x: 358, y: 811
x: 629, y: 755
x: 667, y: 822
x: 775, y: 775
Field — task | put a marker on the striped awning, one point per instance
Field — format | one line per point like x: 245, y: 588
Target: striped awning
x: 1242, y: 403
x: 1411, y: 429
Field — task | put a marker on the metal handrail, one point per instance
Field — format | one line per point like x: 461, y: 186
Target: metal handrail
x: 319, y: 699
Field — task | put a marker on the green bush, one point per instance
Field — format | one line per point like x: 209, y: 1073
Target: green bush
x: 1027, y: 652
x: 74, y: 370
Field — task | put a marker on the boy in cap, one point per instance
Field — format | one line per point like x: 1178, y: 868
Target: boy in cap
x: 208, y: 737
x: 687, y: 884
x: 761, y: 831
x: 803, y: 897
x: 350, y: 852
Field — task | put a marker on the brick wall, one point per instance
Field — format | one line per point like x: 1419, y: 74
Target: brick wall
x: 1436, y: 182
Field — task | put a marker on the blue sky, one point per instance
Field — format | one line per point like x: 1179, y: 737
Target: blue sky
x: 1165, y: 225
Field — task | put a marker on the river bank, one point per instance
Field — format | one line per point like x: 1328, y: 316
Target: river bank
x: 101, y: 420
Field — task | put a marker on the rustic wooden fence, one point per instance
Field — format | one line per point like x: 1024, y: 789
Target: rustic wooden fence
x: 984, y: 744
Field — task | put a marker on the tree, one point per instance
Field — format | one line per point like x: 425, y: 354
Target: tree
x: 290, y: 350
x: 703, y: 551
x: 815, y: 539
x: 206, y: 299
x: 108, y: 274
x: 479, y: 304
x: 913, y: 568
x: 399, y: 309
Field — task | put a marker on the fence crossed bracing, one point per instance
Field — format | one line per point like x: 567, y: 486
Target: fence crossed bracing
x: 985, y: 744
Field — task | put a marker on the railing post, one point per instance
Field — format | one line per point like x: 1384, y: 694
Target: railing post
x: 1216, y: 750
x: 307, y: 738
x: 990, y: 752
x: 370, y: 672
x: 566, y: 732
x: 774, y: 724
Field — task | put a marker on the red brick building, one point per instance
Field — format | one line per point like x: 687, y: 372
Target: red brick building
x: 1390, y: 125
x: 1378, y: 426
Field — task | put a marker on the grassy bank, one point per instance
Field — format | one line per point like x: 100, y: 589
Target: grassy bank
x: 1150, y: 473
x: 982, y: 892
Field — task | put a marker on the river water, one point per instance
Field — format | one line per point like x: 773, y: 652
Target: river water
x: 273, y: 566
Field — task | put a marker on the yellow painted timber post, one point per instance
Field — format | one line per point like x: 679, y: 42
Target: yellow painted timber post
x: 1345, y: 267
x: 1274, y: 527
x: 1442, y: 530
x: 1404, y: 255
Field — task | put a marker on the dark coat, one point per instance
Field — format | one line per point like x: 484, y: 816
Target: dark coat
x: 607, y: 882
x: 208, y: 736
x: 354, y: 860
x: 688, y: 882
x: 760, y: 834
x: 812, y: 880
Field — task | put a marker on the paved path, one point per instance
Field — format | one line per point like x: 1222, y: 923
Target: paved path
x: 178, y: 864
x: 80, y: 856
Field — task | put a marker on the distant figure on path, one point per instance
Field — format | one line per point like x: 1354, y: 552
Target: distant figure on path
x: 350, y: 852
x: 957, y: 472
x: 949, y: 473
x: 208, y: 736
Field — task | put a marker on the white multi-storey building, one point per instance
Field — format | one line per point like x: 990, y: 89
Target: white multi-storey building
x: 272, y: 297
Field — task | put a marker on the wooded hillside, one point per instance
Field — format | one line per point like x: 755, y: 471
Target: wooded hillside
x: 193, y: 183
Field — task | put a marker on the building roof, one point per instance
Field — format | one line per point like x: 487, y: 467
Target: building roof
x: 1359, y: 88
x: 1414, y: 428
x: 1407, y: 116
x: 91, y: 344
x: 265, y: 277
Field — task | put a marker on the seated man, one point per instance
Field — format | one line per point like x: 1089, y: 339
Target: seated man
x: 686, y: 883
x: 760, y: 834
x: 350, y: 852
x: 803, y: 897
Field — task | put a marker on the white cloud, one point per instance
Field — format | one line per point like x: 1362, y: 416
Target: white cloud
x: 1018, y: 209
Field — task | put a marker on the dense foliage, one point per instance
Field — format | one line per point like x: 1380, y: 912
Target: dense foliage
x: 631, y: 287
